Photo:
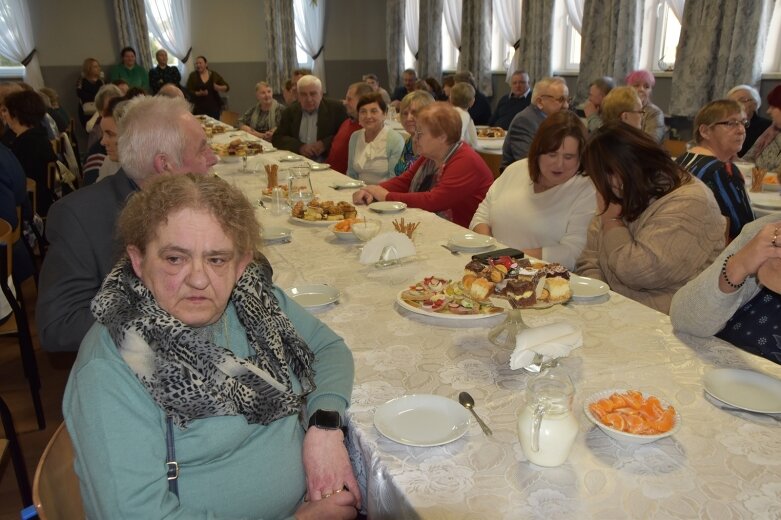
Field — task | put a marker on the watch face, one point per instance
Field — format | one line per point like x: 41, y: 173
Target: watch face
x: 327, y: 419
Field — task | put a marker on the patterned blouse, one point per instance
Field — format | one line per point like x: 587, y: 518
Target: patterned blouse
x: 407, y: 158
x: 262, y: 121
x: 727, y: 184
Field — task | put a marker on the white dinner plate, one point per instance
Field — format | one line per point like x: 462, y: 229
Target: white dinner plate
x: 351, y: 184
x: 387, y: 206
x: 470, y: 241
x: 584, y: 288
x: 442, y: 315
x: 422, y: 420
x: 289, y: 158
x: 771, y: 200
x: 312, y: 222
x: 318, y: 167
x: 495, y: 143
x: 275, y: 233
x: 745, y: 389
x: 313, y: 296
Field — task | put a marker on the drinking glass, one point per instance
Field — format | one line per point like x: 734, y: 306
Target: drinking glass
x: 366, y: 229
x: 300, y: 187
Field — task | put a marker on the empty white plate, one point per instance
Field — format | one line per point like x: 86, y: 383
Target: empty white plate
x: 584, y: 288
x: 470, y: 241
x: 313, y: 296
x: 274, y: 233
x: 317, y: 167
x: 387, y: 207
x: 289, y: 158
x: 771, y: 200
x: 351, y: 184
x: 746, y: 389
x: 422, y: 420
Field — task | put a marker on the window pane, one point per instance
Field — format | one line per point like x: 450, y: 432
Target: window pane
x: 668, y: 38
x: 772, y: 59
x: 304, y: 60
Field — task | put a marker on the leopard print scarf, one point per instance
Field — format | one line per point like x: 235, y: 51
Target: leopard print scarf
x: 189, y: 376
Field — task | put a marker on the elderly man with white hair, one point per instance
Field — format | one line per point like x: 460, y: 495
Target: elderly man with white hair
x: 157, y: 136
x: 550, y: 95
x: 309, y: 126
x: 748, y: 96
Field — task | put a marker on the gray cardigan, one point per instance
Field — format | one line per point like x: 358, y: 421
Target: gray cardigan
x: 699, y: 308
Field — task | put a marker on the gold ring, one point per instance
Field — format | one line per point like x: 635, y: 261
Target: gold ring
x: 326, y: 495
x: 337, y: 491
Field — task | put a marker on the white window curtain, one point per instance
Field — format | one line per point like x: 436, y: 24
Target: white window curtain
x: 508, y: 15
x: 677, y: 8
x: 453, y: 21
x: 16, y: 39
x: 169, y: 21
x: 575, y: 13
x: 310, y: 35
x: 411, y: 23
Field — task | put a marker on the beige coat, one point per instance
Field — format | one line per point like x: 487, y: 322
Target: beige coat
x: 649, y: 259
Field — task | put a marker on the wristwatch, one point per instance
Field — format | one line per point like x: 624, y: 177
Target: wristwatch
x: 328, y: 420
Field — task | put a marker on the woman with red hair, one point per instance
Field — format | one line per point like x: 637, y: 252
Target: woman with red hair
x: 653, y: 117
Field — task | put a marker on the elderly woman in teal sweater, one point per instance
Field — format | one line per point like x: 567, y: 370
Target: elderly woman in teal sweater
x: 196, y: 348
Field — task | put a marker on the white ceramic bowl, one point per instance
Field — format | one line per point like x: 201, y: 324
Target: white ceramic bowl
x: 347, y: 236
x: 631, y: 438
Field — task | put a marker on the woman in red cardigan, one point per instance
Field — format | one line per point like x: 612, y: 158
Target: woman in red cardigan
x: 449, y: 178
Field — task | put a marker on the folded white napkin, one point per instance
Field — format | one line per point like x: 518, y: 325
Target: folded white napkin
x: 552, y: 341
x: 400, y: 243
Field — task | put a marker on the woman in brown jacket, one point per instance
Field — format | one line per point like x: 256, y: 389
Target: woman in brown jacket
x: 656, y: 226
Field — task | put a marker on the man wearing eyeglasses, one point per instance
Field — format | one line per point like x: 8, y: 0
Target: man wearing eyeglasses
x: 550, y: 95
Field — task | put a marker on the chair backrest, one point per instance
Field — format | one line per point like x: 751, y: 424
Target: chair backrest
x: 8, y: 236
x: 56, y: 493
x: 32, y: 191
x: 674, y: 147
x: 229, y: 118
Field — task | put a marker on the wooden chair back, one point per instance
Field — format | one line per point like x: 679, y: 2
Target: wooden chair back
x: 56, y: 492
x: 229, y: 118
x: 10, y: 445
x: 674, y: 147
x: 17, y: 324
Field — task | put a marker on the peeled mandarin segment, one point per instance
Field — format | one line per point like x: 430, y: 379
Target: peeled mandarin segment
x: 618, y: 401
x: 615, y: 420
x: 598, y: 411
x: 634, y: 423
x: 634, y: 398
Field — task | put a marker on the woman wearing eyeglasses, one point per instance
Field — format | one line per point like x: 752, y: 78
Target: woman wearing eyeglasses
x: 719, y: 131
x: 749, y: 99
x: 653, y: 117
x: 766, y: 152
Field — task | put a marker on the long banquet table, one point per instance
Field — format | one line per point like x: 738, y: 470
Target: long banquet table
x: 718, y: 465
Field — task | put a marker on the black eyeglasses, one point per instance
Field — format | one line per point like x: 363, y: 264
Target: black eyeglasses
x: 733, y: 124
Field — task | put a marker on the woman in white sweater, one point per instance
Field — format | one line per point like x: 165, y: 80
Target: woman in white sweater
x: 542, y: 205
x: 375, y: 149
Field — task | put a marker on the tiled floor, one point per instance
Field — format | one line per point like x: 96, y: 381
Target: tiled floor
x: 13, y: 387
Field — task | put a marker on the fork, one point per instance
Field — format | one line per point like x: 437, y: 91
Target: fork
x: 452, y: 251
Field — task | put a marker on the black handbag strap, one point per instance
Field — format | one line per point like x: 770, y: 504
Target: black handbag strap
x: 170, y: 462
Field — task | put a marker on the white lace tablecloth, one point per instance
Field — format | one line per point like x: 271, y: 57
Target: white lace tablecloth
x: 719, y: 465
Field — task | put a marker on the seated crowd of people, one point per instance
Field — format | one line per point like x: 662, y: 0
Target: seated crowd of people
x: 154, y: 268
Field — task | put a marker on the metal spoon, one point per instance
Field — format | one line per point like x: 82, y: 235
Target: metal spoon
x: 467, y: 402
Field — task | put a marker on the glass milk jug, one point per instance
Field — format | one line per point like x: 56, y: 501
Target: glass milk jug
x: 547, y: 427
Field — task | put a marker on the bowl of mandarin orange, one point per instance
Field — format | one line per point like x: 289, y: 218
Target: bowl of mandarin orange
x: 632, y: 416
